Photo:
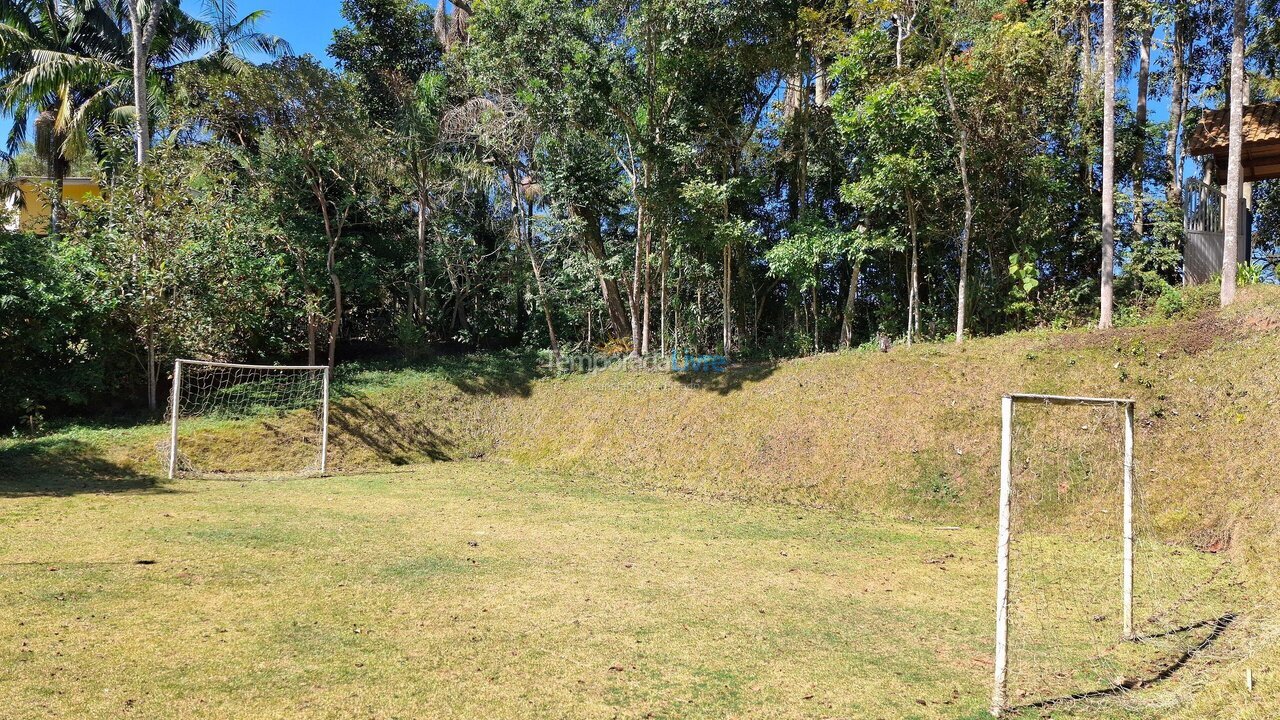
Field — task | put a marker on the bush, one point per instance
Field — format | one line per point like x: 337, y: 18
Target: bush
x: 1170, y: 303
x: 50, y: 343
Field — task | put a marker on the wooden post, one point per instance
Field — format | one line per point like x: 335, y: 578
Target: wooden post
x: 324, y: 425
x: 1128, y: 522
x: 175, y: 398
x: 998, y: 695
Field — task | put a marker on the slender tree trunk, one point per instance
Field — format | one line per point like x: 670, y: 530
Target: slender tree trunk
x: 336, y: 325
x: 1177, y: 84
x: 333, y: 236
x: 637, y: 289
x: 1086, y: 43
x: 312, y: 331
x: 420, y: 306
x: 647, y: 324
x: 966, y: 231
x: 153, y: 376
x: 1086, y: 86
x: 664, y: 266
x: 850, y: 305
x: 1140, y: 121
x: 521, y: 217
x: 728, y: 294
x: 913, y: 288
x: 1108, y: 161
x: 1231, y: 211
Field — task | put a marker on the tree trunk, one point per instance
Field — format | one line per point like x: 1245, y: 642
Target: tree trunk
x: 646, y: 324
x: 333, y: 236
x: 913, y: 281
x: 850, y: 305
x: 1140, y: 121
x: 663, y: 267
x: 1231, y: 207
x: 966, y: 231
x: 594, y: 246
x: 521, y: 217
x: 636, y: 286
x: 1086, y: 83
x: 728, y: 294
x: 312, y: 331
x: 143, y: 34
x: 1108, y: 161
x: 1177, y: 82
x: 153, y: 377
x: 420, y: 306
x: 821, y: 83
x: 336, y: 325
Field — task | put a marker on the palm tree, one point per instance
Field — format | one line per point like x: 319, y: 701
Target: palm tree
x: 231, y: 39
x: 54, y: 65
x: 72, y: 60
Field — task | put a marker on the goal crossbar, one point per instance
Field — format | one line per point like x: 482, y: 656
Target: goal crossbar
x: 999, y: 695
x: 177, y: 397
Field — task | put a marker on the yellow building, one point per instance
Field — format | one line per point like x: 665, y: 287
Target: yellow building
x: 27, y: 210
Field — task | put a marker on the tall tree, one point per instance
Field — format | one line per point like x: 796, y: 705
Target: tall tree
x: 144, y: 21
x: 1232, y: 211
x: 962, y: 163
x: 1146, y: 32
x: 1108, y: 161
x: 1177, y: 100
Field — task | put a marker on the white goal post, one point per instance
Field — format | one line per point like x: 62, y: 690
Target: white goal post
x: 999, y: 697
x: 239, y: 391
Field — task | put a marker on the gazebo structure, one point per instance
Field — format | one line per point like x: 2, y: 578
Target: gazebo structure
x: 1203, y: 200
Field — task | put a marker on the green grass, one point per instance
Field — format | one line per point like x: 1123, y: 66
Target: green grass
x: 486, y: 591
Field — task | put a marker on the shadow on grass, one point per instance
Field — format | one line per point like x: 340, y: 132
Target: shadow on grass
x: 502, y: 374
x: 63, y: 467
x: 730, y: 381
x: 1217, y: 627
x: 394, y: 441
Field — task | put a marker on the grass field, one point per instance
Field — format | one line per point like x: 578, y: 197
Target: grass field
x: 478, y: 590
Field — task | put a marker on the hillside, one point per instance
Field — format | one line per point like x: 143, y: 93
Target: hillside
x: 910, y: 434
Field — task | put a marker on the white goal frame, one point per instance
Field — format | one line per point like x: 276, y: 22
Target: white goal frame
x: 999, y: 695
x: 176, y: 397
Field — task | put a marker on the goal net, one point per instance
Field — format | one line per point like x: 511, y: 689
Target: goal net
x: 227, y: 418
x: 1097, y: 601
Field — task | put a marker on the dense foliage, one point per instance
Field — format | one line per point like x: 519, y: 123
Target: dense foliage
x: 758, y: 177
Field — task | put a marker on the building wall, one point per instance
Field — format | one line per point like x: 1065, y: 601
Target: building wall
x: 34, y: 213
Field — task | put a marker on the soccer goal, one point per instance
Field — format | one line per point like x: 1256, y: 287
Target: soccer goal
x: 289, y: 407
x: 1124, y: 589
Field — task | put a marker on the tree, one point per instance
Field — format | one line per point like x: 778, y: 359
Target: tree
x: 323, y: 165
x: 1108, y: 161
x: 231, y: 39
x: 386, y: 48
x: 144, y: 21
x: 1145, y: 36
x: 1231, y: 211
x: 49, y: 71
x: 962, y: 162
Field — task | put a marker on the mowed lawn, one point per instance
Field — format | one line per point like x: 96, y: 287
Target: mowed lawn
x: 476, y: 590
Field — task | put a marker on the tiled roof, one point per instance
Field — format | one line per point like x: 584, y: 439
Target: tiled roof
x: 1211, y: 136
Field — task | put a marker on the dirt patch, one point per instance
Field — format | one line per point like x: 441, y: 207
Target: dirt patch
x: 1189, y: 337
x: 1263, y: 320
